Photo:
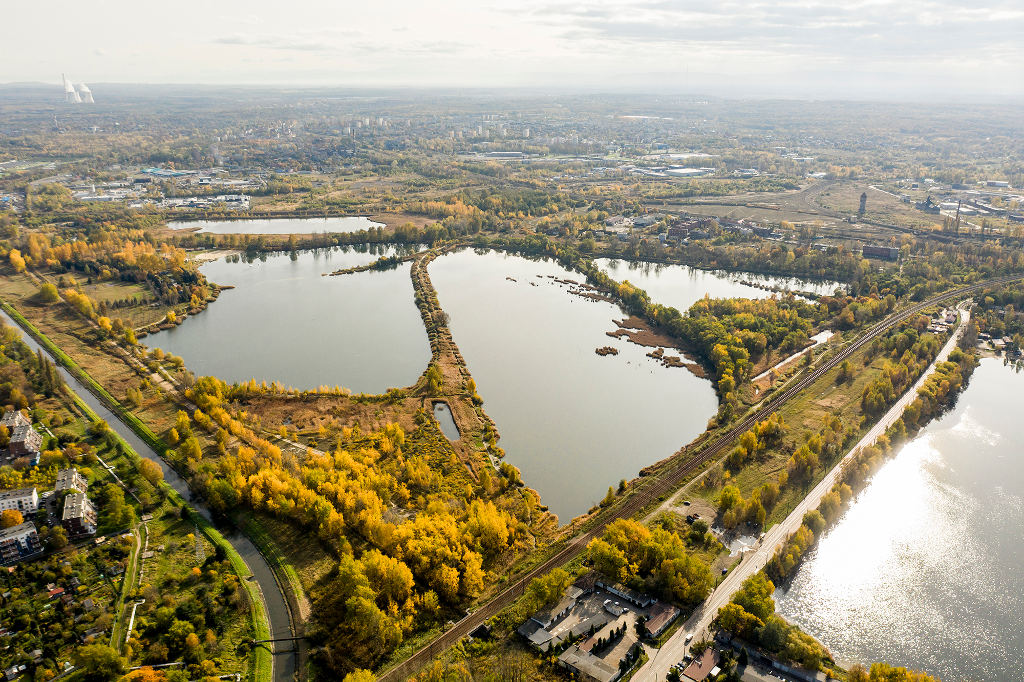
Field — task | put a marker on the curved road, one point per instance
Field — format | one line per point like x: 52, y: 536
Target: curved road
x: 670, y: 478
x: 699, y: 623
x: 277, y: 607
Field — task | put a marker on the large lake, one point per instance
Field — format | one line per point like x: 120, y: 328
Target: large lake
x: 278, y: 225
x: 284, y: 321
x: 681, y: 286
x: 572, y: 421
x: 926, y: 568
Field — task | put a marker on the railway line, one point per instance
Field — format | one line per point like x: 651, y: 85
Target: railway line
x: 665, y: 482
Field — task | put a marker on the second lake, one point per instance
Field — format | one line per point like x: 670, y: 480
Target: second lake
x: 572, y: 421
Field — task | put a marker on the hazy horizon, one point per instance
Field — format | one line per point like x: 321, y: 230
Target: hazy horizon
x: 867, y: 49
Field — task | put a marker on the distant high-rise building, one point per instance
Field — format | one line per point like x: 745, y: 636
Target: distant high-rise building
x: 863, y: 203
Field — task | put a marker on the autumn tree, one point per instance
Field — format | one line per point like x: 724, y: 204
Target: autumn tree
x: 151, y: 471
x: 99, y: 662
x: 10, y: 518
x: 48, y: 293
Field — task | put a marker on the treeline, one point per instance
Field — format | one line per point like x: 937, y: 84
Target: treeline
x: 111, y: 254
x: 909, y: 355
x: 751, y: 616
x: 651, y: 560
x: 414, y: 532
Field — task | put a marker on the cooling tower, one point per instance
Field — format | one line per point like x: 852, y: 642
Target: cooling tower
x: 70, y: 95
x: 85, y: 93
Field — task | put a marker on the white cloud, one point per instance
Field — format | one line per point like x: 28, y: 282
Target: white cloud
x: 810, y: 46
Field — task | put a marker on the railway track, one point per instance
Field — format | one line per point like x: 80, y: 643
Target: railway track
x: 663, y: 483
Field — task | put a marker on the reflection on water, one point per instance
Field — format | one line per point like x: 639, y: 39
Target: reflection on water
x: 681, y: 286
x: 925, y: 569
x: 572, y: 421
x: 286, y: 322
x: 278, y: 225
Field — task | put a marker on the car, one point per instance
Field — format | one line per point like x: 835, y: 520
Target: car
x: 724, y: 571
x: 689, y: 638
x: 686, y: 503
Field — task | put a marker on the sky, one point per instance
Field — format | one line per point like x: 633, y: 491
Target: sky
x: 851, y: 49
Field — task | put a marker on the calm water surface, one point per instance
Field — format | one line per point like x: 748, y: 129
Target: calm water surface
x: 926, y: 569
x: 278, y: 225
x: 572, y: 421
x: 681, y: 286
x: 285, y: 322
x: 443, y: 415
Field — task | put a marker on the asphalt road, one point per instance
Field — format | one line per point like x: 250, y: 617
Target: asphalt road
x: 698, y: 625
x: 671, y: 477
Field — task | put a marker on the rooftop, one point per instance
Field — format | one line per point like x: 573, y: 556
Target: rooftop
x: 701, y: 666
x: 76, y: 506
x: 17, y: 531
x: 17, y: 492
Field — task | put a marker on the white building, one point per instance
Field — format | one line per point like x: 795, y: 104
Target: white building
x: 70, y: 479
x: 25, y: 500
x: 13, y: 418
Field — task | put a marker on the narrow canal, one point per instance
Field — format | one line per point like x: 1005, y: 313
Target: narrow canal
x: 277, y: 608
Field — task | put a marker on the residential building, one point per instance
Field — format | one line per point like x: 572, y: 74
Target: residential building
x: 70, y: 479
x: 25, y: 500
x: 14, y: 418
x: 79, y: 516
x: 25, y: 441
x: 702, y: 667
x: 19, y: 542
x: 597, y: 623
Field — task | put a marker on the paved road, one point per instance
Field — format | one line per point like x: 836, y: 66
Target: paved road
x: 673, y: 650
x: 274, y: 600
x: 679, y: 469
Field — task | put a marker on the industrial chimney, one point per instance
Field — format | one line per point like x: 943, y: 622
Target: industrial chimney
x: 70, y: 96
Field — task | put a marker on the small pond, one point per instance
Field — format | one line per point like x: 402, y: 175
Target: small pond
x: 443, y: 415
